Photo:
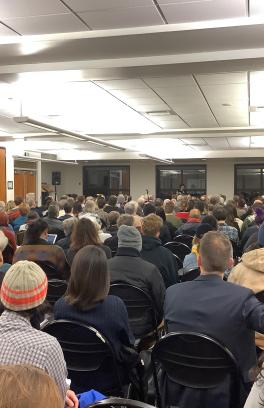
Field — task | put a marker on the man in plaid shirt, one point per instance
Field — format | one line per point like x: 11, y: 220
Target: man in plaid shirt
x: 24, y: 288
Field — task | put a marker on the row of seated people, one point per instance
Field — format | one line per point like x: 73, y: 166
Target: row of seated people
x: 224, y: 311
x: 133, y: 243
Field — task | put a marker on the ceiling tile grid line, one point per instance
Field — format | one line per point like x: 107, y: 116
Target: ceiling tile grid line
x: 156, y: 4
x: 10, y: 28
x: 202, y: 93
x: 120, y: 100
x: 75, y: 14
x: 186, y: 123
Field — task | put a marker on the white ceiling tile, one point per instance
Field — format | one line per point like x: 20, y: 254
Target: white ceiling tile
x: 256, y: 8
x: 219, y: 79
x: 241, y: 142
x: 4, y: 31
x: 181, y: 80
x: 205, y: 148
x: 197, y: 141
x: 27, y: 8
x: 149, y: 108
x: 217, y: 142
x: 133, y: 93
x: 92, y: 5
x: 122, y: 84
x: 196, y: 120
x: 122, y: 17
x: 61, y: 23
x: 180, y: 91
x: 145, y: 101
x: 172, y: 125
x: 182, y: 11
x: 232, y: 91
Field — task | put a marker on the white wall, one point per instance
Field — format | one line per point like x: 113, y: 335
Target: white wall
x: 71, y: 177
x: 142, y: 177
x: 220, y: 177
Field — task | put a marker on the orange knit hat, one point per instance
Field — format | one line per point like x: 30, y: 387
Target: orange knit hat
x: 24, y: 286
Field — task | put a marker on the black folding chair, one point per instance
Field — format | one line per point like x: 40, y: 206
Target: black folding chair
x: 190, y: 275
x: 237, y: 253
x: 260, y: 296
x: 119, y: 402
x: 56, y: 289
x: 50, y: 270
x: 8, y: 254
x: 179, y: 249
x: 196, y: 361
x: 179, y: 261
x: 140, y: 308
x: 184, y: 239
x: 89, y: 357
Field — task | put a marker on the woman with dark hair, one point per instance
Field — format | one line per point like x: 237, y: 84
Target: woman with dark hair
x: 36, y: 248
x: 85, y: 233
x: 37, y: 233
x: 231, y: 218
x: 87, y: 300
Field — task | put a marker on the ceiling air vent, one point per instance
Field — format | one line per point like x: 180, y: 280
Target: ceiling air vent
x: 49, y: 156
x: 161, y: 113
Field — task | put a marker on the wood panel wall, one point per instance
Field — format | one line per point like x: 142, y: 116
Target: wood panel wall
x: 2, y: 174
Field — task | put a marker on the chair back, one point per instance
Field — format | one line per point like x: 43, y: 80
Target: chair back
x: 49, y: 269
x: 184, y: 239
x: 190, y: 275
x: 119, y: 402
x: 8, y: 254
x: 179, y: 261
x: 140, y: 308
x: 89, y: 357
x: 195, y: 360
x: 260, y: 296
x: 178, y: 248
x: 237, y: 253
x: 56, y: 289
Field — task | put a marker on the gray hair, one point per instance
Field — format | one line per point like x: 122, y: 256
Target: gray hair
x: 2, y: 206
x: 68, y: 225
x: 131, y: 207
x: 3, y: 241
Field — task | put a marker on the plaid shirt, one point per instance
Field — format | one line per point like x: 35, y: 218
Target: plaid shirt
x: 230, y: 232
x: 20, y: 343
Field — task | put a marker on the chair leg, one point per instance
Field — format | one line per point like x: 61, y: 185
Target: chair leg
x: 156, y: 382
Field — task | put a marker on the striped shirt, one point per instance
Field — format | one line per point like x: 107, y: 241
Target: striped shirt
x: 20, y: 344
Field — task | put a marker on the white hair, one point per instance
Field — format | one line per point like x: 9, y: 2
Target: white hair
x: 131, y: 207
x: 3, y: 241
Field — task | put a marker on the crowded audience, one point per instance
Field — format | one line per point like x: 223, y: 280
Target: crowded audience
x: 91, y: 243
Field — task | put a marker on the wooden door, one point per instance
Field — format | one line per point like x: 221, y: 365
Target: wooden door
x: 2, y: 174
x: 19, y: 184
x: 25, y: 182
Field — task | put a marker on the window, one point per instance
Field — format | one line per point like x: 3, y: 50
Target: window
x: 249, y: 180
x: 169, y: 179
x: 106, y: 180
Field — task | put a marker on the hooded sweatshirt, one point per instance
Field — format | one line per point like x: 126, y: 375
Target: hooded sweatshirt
x: 155, y: 253
x: 250, y: 274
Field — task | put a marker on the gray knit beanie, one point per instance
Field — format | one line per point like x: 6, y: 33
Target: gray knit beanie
x: 129, y: 237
